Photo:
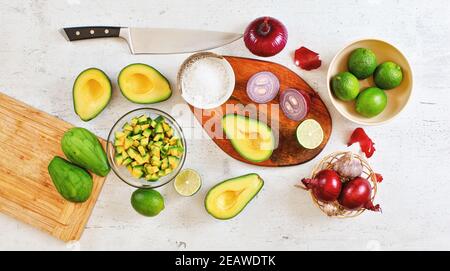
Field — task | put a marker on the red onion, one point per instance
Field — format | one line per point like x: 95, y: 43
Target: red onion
x: 356, y: 194
x: 265, y: 36
x: 295, y: 104
x: 326, y: 186
x: 262, y: 87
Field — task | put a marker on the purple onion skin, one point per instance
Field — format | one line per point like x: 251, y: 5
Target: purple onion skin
x: 265, y: 36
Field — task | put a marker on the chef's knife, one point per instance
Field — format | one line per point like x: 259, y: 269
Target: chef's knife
x: 155, y: 40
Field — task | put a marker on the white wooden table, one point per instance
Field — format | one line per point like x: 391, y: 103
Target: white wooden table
x: 413, y: 152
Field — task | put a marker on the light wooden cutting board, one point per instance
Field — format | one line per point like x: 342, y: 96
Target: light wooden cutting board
x: 29, y: 139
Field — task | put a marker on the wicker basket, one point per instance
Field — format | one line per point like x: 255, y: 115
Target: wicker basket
x: 334, y: 209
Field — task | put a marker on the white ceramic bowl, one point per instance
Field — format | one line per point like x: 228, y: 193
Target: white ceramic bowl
x: 228, y: 69
x: 397, y: 97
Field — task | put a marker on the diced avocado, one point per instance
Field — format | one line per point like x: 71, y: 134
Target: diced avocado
x: 145, y: 126
x: 91, y: 93
x: 138, y: 171
x: 154, y: 161
x: 152, y: 178
x: 118, y: 158
x: 120, y: 149
x: 251, y: 138
x: 158, y: 137
x: 158, y: 144
x: 173, y: 161
x: 134, y: 164
x: 118, y: 135
x: 136, y: 143
x: 128, y: 143
x: 137, y: 129
x: 159, y: 128
x: 144, y: 141
x: 228, y: 198
x: 153, y: 123
x: 141, y: 150
x: 132, y: 153
x: 127, y: 127
x: 169, y: 133
x: 142, y: 119
x: 130, y: 168
x: 134, y: 122
x: 119, y: 142
x: 124, y: 155
x: 173, y: 141
x: 159, y: 119
x: 146, y: 158
x: 165, y: 126
x: 147, y: 132
x: 137, y: 137
x: 164, y: 163
x: 167, y: 171
x: 140, y: 160
x: 155, y: 151
x: 161, y: 173
x: 141, y: 83
x: 151, y: 169
x: 127, y: 161
x: 176, y: 151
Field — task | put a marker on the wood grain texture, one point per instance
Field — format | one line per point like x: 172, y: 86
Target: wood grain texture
x: 289, y: 152
x: 29, y: 139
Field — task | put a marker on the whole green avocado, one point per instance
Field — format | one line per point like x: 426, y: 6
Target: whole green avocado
x: 72, y: 182
x: 82, y: 148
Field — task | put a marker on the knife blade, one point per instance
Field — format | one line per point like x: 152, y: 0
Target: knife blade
x: 155, y: 40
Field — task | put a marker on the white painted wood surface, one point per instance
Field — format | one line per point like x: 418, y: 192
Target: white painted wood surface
x: 413, y: 152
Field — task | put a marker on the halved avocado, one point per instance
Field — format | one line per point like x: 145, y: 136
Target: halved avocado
x: 91, y: 93
x: 251, y: 138
x: 228, y: 198
x: 143, y: 84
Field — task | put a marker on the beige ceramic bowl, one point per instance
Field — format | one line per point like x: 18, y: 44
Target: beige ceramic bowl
x: 397, y: 97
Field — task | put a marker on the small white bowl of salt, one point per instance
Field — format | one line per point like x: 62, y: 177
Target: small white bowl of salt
x: 206, y: 80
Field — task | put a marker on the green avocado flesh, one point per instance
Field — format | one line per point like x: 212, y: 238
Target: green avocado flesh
x: 251, y: 138
x: 228, y: 198
x: 72, y: 182
x: 143, y: 84
x: 91, y: 93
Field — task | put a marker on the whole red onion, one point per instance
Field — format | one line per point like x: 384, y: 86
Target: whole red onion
x: 265, y: 36
x: 326, y: 186
x: 356, y: 194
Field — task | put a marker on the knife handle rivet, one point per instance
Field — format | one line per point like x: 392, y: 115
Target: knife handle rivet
x: 77, y: 33
x: 106, y: 31
x: 92, y: 32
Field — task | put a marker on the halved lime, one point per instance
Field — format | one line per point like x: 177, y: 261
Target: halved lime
x: 310, y: 134
x: 187, y: 183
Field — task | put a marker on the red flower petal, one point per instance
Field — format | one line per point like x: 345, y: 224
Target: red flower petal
x: 379, y: 177
x: 307, y: 59
x: 366, y: 144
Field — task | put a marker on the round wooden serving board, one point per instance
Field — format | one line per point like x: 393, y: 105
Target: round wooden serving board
x: 288, y: 152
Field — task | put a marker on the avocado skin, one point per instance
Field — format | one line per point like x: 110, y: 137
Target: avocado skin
x: 248, y: 201
x: 82, y: 148
x: 139, y: 102
x: 104, y: 106
x: 72, y: 182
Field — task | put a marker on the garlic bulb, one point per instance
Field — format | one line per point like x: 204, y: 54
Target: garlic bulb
x: 330, y: 209
x: 348, y: 166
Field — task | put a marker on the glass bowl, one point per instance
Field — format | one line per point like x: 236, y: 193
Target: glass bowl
x: 121, y: 171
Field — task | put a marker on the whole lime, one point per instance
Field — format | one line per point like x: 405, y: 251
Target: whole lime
x: 362, y: 63
x: 147, y: 202
x: 388, y: 75
x: 345, y: 86
x: 371, y: 102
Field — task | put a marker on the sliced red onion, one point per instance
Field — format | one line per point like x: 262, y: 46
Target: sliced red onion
x: 263, y: 87
x: 295, y: 103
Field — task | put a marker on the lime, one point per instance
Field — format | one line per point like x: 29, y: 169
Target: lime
x: 188, y: 182
x: 310, y: 134
x: 371, y: 102
x: 147, y: 202
x: 362, y: 63
x: 388, y: 75
x: 345, y: 86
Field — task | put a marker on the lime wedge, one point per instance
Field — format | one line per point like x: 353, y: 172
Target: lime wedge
x: 310, y: 134
x: 188, y: 182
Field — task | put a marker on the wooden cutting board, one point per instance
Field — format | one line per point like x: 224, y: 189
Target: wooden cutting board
x: 289, y: 152
x: 29, y: 139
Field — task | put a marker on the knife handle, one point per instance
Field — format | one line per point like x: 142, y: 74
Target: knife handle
x: 91, y: 32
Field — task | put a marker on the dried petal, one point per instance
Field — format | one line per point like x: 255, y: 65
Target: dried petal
x: 307, y: 59
x: 366, y: 144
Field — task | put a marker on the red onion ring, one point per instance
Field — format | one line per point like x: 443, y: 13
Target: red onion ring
x: 295, y: 103
x: 263, y: 87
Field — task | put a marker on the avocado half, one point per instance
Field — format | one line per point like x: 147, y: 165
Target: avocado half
x: 91, y: 93
x: 251, y: 138
x: 143, y: 84
x: 228, y: 198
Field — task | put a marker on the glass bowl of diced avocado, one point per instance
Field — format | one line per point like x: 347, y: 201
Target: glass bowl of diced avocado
x: 146, y: 148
